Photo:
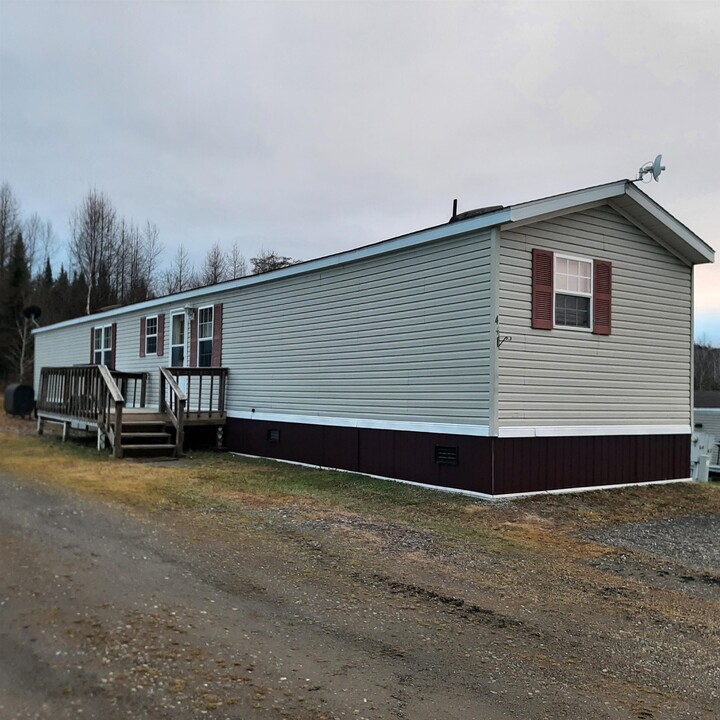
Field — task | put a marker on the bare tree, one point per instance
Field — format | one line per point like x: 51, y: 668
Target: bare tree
x: 93, y: 245
x: 40, y: 242
x: 707, y: 366
x: 20, y: 352
x: 236, y: 263
x: 151, y: 251
x: 214, y: 269
x: 268, y: 260
x: 180, y: 275
x: 9, y: 222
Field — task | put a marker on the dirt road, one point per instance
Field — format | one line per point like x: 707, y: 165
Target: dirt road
x: 285, y: 613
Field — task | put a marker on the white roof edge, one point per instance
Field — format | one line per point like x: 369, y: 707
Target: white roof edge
x: 566, y: 201
x: 481, y: 222
x: 661, y: 215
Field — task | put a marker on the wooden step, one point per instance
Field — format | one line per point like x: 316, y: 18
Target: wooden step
x: 143, y: 427
x: 146, y: 436
x: 143, y: 448
x: 141, y: 416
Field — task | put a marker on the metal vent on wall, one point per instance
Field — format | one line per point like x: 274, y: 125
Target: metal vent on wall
x: 446, y: 455
x: 273, y: 436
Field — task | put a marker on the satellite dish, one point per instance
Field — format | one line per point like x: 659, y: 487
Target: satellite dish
x: 32, y: 311
x: 655, y: 168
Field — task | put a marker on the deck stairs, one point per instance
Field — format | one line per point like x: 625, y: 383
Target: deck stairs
x: 146, y: 434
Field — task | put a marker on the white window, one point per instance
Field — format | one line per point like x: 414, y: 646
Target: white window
x: 151, y: 335
x: 102, y: 346
x: 573, y: 292
x: 205, y: 336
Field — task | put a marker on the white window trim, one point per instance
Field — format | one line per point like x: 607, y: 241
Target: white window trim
x: 156, y: 334
x: 204, y: 337
x: 579, y: 294
x: 102, y: 350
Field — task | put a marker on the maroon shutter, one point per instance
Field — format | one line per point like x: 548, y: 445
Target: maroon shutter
x: 217, y: 335
x: 143, y: 322
x: 92, y: 345
x: 602, y: 297
x: 161, y: 335
x: 542, y: 289
x: 114, y: 346
x: 194, y: 340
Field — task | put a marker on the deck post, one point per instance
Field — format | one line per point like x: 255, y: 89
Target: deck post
x: 40, y: 425
x: 117, y: 435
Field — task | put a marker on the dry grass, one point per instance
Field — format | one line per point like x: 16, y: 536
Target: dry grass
x: 547, y: 525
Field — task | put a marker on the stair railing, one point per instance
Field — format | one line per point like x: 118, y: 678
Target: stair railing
x: 110, y: 419
x: 172, y: 402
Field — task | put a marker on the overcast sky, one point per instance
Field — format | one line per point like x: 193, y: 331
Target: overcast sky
x: 313, y: 127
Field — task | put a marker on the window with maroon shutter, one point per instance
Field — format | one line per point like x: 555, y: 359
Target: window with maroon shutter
x: 542, y: 289
x: 571, y: 292
x: 602, y: 297
x: 102, y: 345
x: 151, y: 335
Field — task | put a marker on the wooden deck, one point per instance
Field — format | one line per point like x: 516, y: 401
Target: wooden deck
x: 114, y: 404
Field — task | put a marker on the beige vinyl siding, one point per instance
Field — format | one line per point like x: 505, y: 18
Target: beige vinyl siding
x: 402, y: 337
x: 61, y: 348
x: 638, y: 375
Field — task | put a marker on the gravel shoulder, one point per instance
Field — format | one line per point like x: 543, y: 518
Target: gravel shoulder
x: 553, y: 607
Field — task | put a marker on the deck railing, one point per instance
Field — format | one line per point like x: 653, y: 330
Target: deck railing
x: 133, y: 386
x: 84, y: 393
x: 204, y: 388
x: 172, y: 403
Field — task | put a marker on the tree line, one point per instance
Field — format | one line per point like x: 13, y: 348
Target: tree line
x: 111, y: 261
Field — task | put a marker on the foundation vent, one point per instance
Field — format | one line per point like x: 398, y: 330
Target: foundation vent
x: 446, y: 455
x: 273, y: 435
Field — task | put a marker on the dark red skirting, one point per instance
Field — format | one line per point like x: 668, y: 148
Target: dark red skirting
x: 494, y: 466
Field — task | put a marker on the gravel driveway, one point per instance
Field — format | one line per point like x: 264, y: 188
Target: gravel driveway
x: 288, y: 613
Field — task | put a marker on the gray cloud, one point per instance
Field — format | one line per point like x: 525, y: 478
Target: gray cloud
x: 314, y: 127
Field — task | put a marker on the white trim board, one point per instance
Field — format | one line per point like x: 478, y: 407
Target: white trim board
x: 467, y: 493
x: 368, y: 423
x: 581, y: 430
x: 458, y: 429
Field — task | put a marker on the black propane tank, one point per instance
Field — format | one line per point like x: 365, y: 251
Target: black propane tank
x: 19, y: 399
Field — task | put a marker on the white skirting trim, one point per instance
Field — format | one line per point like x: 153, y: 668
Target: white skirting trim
x: 583, y: 430
x: 424, y: 427
x: 468, y: 493
x: 469, y: 430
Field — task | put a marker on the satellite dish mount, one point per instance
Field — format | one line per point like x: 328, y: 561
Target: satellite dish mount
x: 654, y: 168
